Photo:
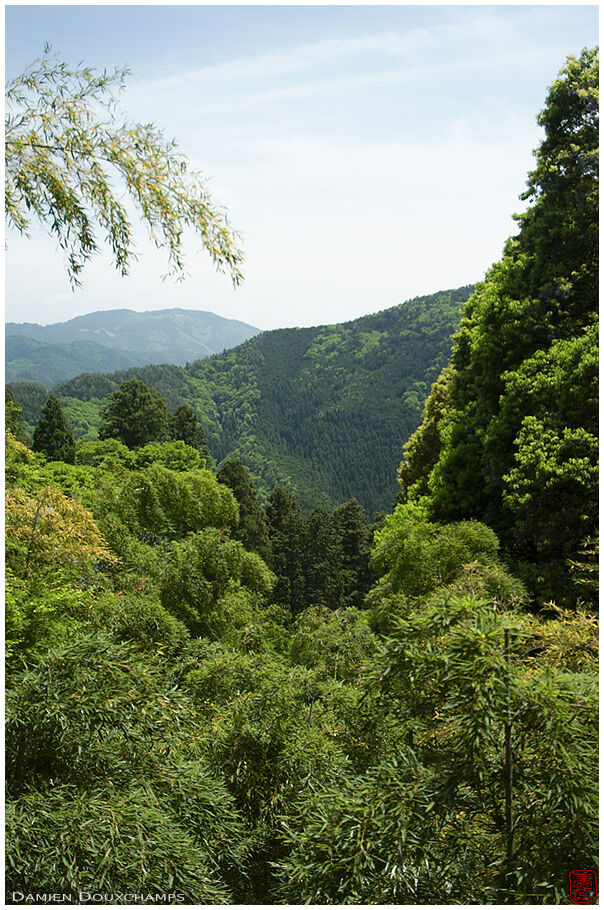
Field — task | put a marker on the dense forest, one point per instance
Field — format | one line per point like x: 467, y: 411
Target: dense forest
x: 219, y: 695
x: 322, y: 410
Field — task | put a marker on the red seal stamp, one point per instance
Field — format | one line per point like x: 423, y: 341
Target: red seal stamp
x: 583, y: 886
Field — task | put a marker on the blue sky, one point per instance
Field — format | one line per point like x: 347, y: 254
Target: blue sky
x: 366, y: 153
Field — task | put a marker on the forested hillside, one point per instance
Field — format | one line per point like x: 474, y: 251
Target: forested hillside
x: 115, y: 340
x: 325, y: 409
x: 216, y: 698
x: 47, y: 364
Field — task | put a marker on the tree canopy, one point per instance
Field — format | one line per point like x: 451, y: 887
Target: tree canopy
x: 72, y: 157
x: 135, y: 414
x: 510, y: 430
x: 52, y: 435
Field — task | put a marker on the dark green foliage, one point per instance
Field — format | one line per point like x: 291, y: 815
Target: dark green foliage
x: 87, y: 728
x: 52, y: 435
x: 31, y: 397
x: 287, y: 532
x: 356, y: 540
x: 186, y: 427
x: 323, y: 561
x: 427, y: 824
x: 252, y: 529
x: 13, y: 418
x: 135, y: 414
x: 27, y: 359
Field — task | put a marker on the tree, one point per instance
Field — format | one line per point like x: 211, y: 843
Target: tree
x: 287, y: 531
x: 323, y: 560
x: 252, y: 530
x: 355, y: 536
x: 52, y: 435
x: 71, y: 157
x: 13, y: 418
x: 509, y: 432
x: 187, y: 428
x: 135, y: 414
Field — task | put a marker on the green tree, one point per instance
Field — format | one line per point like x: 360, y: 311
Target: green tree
x: 323, y: 560
x: 350, y: 521
x: 481, y: 799
x: 101, y: 765
x: 71, y: 156
x: 199, y: 570
x: 252, y: 530
x: 422, y: 449
x: 287, y: 531
x: 13, y: 418
x: 136, y: 415
x: 521, y: 380
x: 187, y: 428
x: 52, y: 435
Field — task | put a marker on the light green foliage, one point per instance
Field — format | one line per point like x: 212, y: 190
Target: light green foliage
x: 428, y: 825
x: 334, y: 644
x: 136, y: 617
x: 89, y: 727
x: 422, y: 449
x: 414, y: 556
x: 84, y: 417
x: 71, y: 156
x: 157, y: 503
x: 177, y: 456
x: 37, y: 615
x: 116, y: 843
x: 199, y: 570
x: 105, y: 452
x: 52, y: 534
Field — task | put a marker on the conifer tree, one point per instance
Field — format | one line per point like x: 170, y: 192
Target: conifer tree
x: 350, y: 522
x: 323, y: 559
x: 186, y: 427
x: 136, y: 415
x: 252, y: 530
x: 52, y: 435
x: 287, y: 530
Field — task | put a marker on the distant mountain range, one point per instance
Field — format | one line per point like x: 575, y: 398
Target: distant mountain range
x: 110, y: 340
x: 325, y: 410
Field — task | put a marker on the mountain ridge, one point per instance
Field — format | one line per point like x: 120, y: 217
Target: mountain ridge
x: 171, y: 335
x: 322, y: 409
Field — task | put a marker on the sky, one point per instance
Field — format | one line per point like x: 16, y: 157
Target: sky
x: 366, y: 154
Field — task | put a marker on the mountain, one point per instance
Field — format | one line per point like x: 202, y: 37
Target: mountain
x: 324, y: 409
x: 28, y: 359
x: 158, y: 336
